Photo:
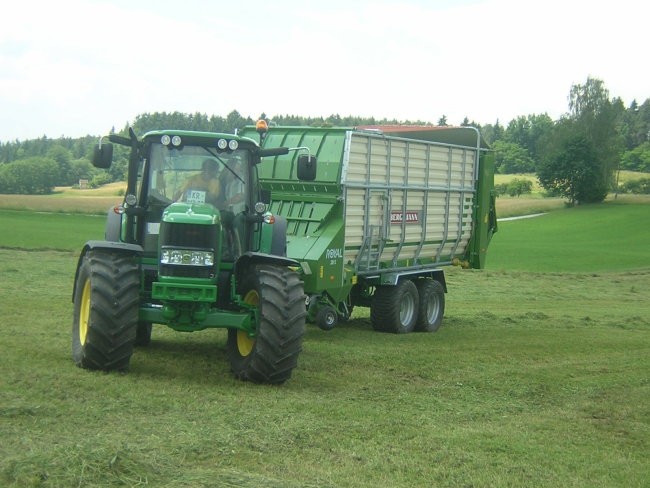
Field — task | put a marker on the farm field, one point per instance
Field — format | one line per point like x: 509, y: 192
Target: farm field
x: 540, y: 376
x: 536, y: 202
x: 68, y: 200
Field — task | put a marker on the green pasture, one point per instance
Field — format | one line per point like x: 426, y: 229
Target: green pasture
x: 609, y: 236
x: 44, y: 230
x: 540, y: 377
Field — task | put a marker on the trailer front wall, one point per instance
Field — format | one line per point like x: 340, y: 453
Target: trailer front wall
x: 407, y: 202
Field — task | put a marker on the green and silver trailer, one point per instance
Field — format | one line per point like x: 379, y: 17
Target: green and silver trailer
x: 378, y: 214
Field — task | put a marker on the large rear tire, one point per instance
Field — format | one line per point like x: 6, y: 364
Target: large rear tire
x: 270, y: 356
x: 432, y: 305
x: 395, y: 308
x: 105, y: 317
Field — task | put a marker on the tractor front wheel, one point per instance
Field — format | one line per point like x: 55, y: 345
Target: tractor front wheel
x: 277, y: 295
x: 105, y: 318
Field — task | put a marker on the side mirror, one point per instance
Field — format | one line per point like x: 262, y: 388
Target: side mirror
x: 103, y: 155
x: 306, y: 167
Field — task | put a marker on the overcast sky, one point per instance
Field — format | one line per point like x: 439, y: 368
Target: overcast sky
x: 73, y: 68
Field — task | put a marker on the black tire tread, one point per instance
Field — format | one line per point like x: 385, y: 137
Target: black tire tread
x: 114, y: 302
x: 429, y: 289
x: 281, y: 326
x: 386, y: 305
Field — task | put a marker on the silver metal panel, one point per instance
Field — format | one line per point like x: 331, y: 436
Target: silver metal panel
x: 406, y: 200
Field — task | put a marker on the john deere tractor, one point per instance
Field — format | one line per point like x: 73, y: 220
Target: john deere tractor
x: 193, y: 246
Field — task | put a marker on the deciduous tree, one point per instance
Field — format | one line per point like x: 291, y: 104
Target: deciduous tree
x: 512, y: 158
x: 583, y: 150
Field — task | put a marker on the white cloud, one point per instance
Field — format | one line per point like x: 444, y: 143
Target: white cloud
x: 75, y: 67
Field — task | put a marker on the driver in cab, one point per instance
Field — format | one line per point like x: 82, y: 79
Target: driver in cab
x: 203, y: 187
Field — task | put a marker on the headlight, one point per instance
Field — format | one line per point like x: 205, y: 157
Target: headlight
x: 187, y: 257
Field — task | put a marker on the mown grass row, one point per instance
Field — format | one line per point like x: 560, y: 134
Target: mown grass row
x: 536, y: 379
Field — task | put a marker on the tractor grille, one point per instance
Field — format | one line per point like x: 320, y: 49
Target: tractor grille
x: 188, y: 236
x: 186, y: 271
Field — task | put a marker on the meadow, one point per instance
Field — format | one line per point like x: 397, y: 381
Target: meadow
x: 540, y: 376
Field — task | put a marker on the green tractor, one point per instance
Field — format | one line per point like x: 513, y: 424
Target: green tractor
x: 193, y: 246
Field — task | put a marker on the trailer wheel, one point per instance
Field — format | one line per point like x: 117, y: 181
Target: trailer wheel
x: 269, y: 357
x: 432, y: 305
x: 327, y: 318
x: 395, y: 308
x: 105, y: 317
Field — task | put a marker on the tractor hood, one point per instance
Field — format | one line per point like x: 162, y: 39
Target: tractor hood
x: 191, y: 213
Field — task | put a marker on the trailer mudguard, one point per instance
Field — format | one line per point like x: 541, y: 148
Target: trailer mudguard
x: 393, y: 278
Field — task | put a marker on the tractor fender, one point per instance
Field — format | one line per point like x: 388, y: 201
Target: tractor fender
x: 113, y: 226
x: 279, y: 237
x: 122, y: 247
x: 249, y: 259
x: 252, y: 258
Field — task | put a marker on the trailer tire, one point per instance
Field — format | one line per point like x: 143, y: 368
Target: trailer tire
x: 327, y: 318
x: 270, y: 356
x: 395, y: 308
x: 105, y: 316
x: 432, y: 305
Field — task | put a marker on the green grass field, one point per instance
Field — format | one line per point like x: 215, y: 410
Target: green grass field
x: 49, y: 231
x: 607, y: 237
x: 539, y: 377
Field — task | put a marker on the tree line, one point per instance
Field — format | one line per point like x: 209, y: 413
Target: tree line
x: 575, y: 157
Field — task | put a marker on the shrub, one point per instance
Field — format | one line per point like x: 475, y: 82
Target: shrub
x: 640, y: 186
x: 514, y: 188
x: 31, y: 176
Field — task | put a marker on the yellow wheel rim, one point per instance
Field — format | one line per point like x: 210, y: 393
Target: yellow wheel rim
x: 84, y: 313
x: 245, y: 343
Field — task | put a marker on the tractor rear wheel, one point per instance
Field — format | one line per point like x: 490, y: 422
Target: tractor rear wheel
x: 395, y: 308
x: 432, y: 305
x: 105, y: 317
x: 272, y: 354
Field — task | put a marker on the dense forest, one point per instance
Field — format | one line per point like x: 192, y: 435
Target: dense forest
x: 575, y: 156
